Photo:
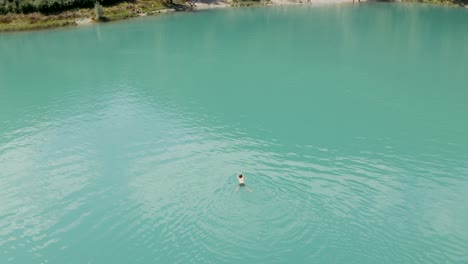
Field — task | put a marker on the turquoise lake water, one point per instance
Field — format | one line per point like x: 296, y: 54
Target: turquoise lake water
x: 120, y: 143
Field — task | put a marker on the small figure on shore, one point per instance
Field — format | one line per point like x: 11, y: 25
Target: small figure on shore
x: 241, y: 180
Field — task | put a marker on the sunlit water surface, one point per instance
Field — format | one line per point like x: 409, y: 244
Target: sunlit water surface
x: 119, y: 143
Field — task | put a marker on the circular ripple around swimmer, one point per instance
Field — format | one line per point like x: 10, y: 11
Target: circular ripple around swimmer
x: 267, y: 221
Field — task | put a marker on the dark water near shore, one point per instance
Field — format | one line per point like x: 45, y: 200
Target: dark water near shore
x: 119, y: 143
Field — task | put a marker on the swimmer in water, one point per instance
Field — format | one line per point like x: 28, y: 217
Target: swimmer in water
x: 241, y: 180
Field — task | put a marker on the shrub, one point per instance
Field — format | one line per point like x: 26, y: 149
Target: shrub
x: 2, y: 7
x: 26, y: 7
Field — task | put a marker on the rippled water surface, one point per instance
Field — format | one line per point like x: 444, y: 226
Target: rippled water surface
x: 119, y: 143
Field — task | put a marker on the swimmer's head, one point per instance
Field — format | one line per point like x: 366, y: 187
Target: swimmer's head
x: 240, y: 176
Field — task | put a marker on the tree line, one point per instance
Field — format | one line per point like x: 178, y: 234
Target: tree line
x: 48, y: 6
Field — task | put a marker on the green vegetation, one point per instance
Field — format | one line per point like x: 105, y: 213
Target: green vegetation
x: 41, y: 20
x: 47, y: 6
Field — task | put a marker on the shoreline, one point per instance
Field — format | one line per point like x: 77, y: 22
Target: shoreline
x: 123, y: 11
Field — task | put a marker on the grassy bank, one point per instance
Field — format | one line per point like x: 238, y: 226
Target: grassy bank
x: 118, y: 11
